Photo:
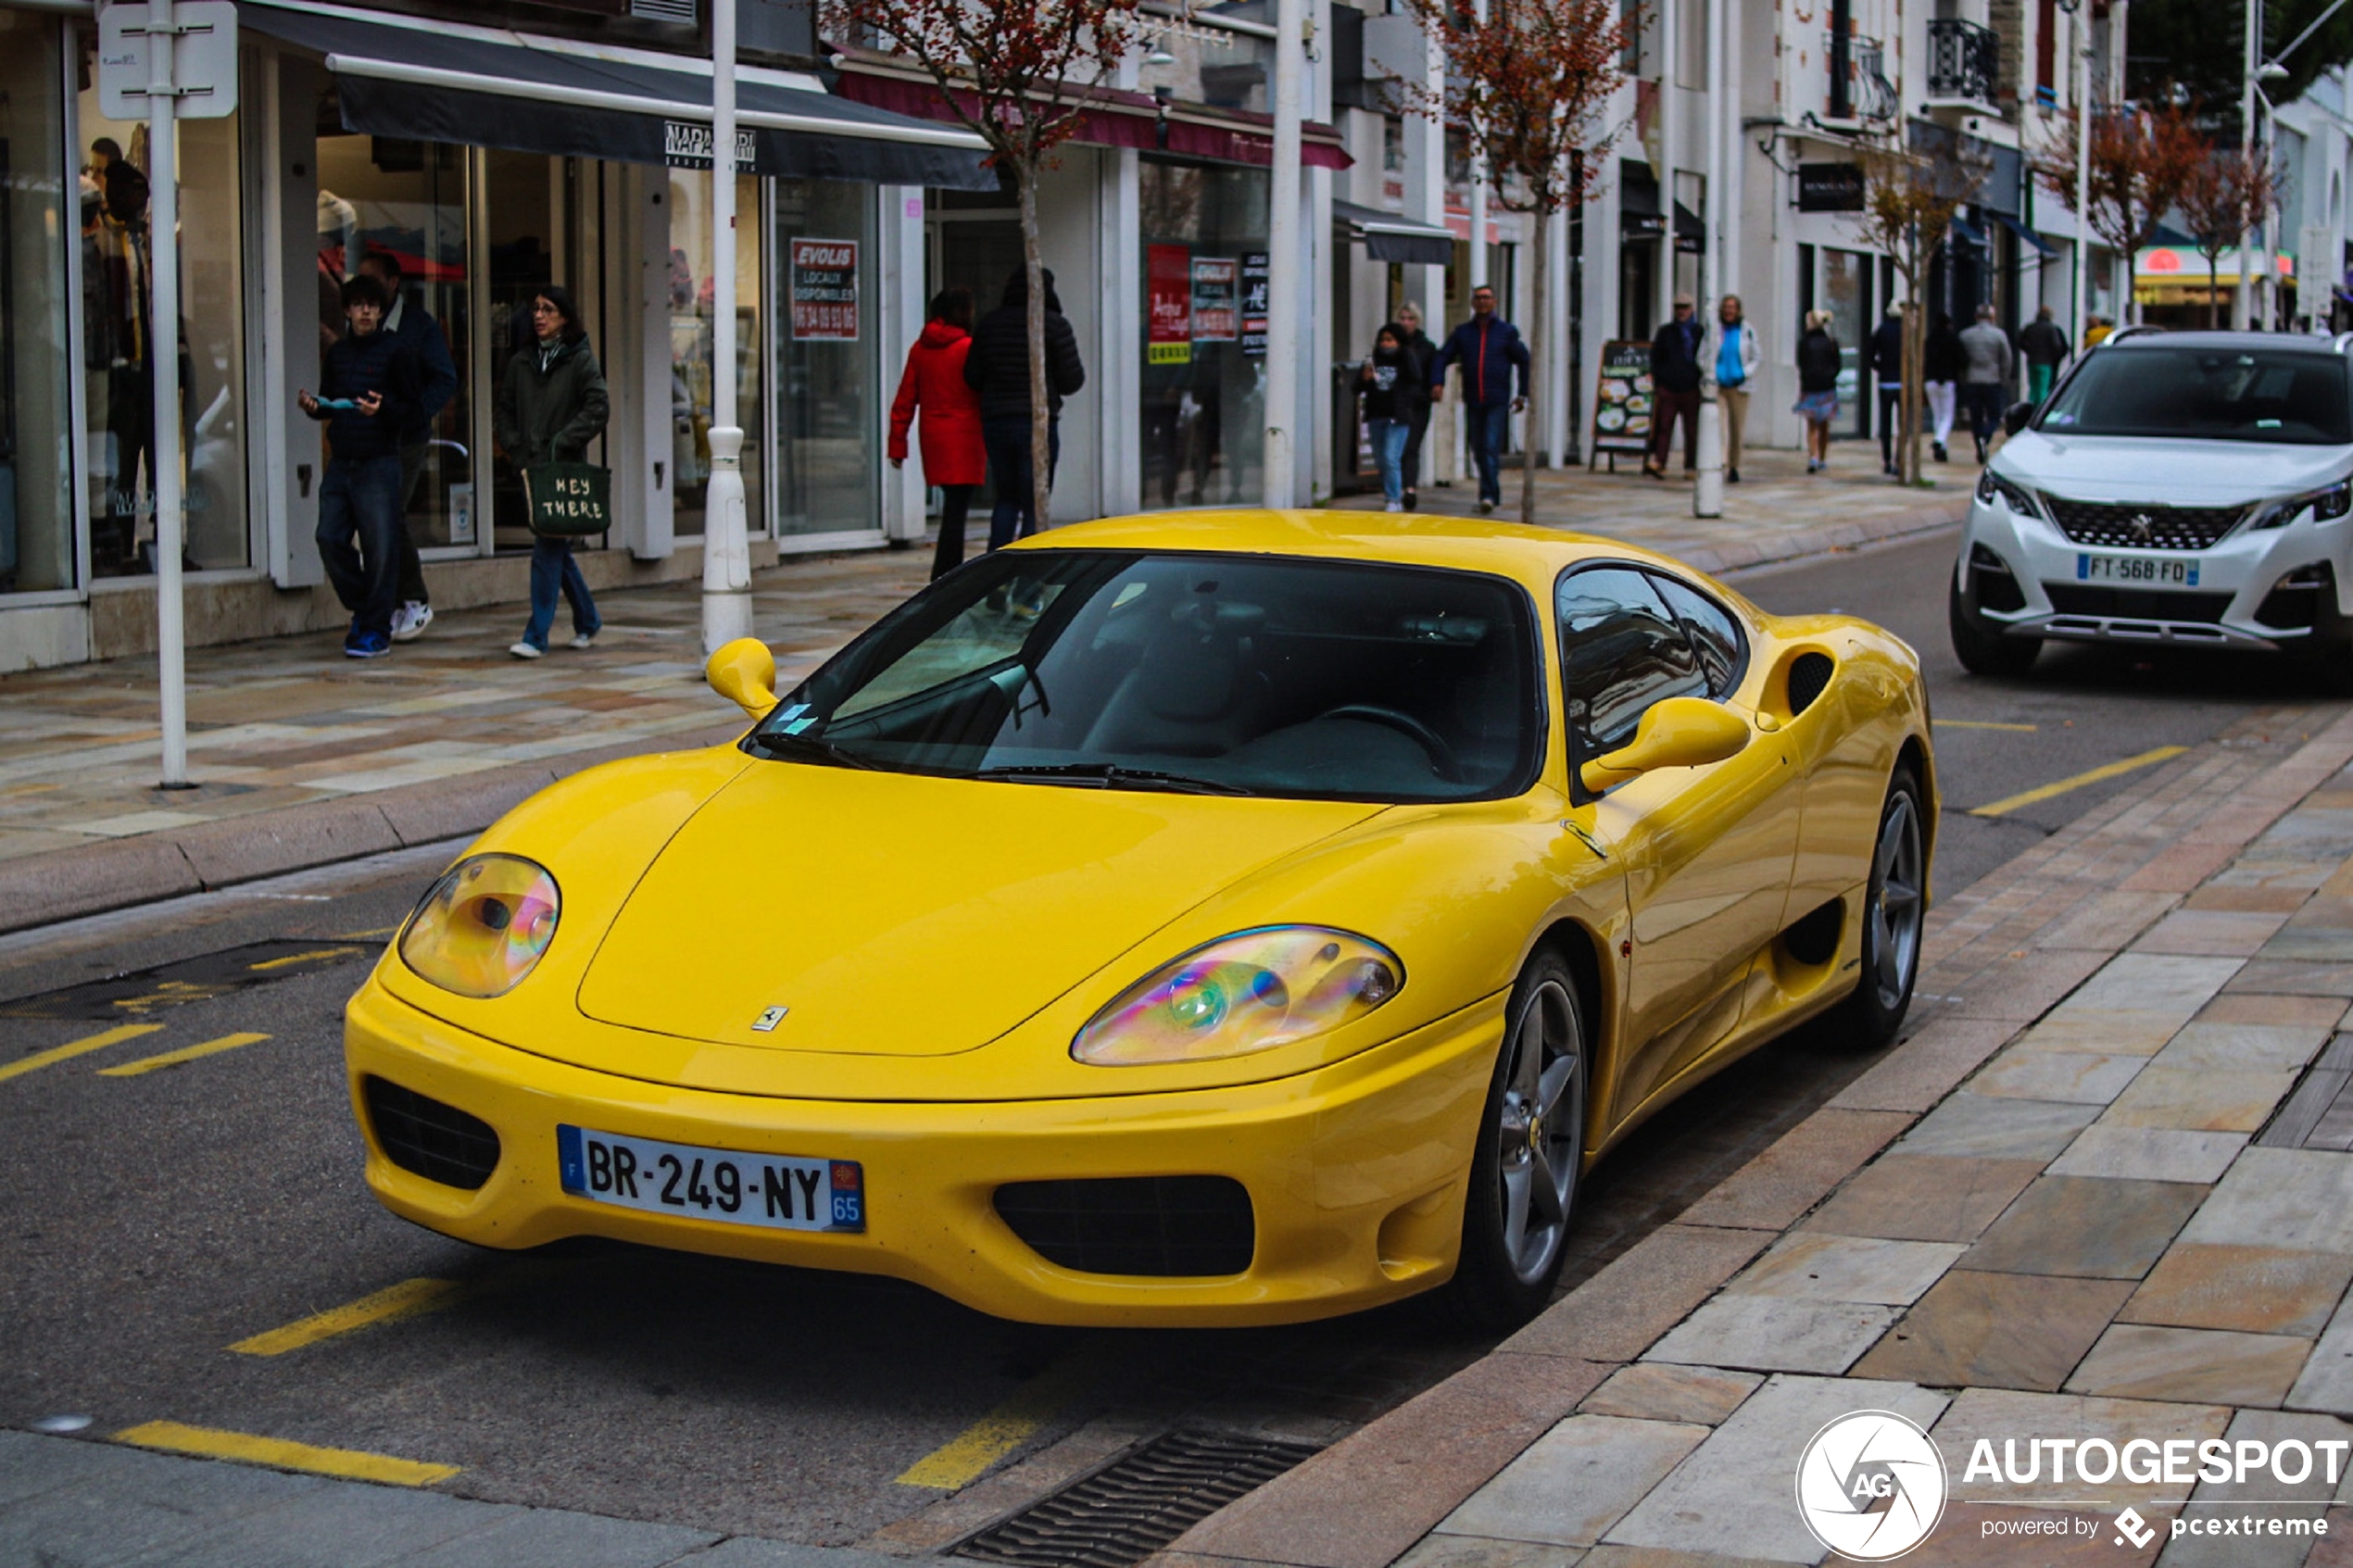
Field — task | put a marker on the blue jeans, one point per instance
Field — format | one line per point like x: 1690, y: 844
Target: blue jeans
x: 1489, y: 422
x: 553, y: 568
x: 360, y: 504
x: 1007, y: 442
x: 1389, y: 454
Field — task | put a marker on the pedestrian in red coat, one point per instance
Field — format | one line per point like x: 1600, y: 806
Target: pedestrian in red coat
x: 953, y: 456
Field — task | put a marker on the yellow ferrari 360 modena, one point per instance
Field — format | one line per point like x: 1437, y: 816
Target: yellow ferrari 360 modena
x: 1230, y: 918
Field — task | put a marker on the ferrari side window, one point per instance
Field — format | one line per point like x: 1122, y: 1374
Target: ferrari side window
x: 1620, y: 651
x: 1714, y: 634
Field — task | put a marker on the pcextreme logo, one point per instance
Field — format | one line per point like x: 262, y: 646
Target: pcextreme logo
x: 1870, y: 1486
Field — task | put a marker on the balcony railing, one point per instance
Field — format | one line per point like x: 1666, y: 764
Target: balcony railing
x: 1964, y: 62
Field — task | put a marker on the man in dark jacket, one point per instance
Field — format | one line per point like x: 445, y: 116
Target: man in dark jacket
x: 1675, y: 378
x: 1489, y: 349
x: 408, y: 324
x: 1887, y: 367
x: 367, y: 390
x: 998, y: 368
x: 2044, y: 347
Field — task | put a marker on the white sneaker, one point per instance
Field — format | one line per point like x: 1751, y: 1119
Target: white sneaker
x: 1394, y: 507
x: 524, y: 650
x: 586, y: 640
x: 409, y: 623
x: 1486, y: 508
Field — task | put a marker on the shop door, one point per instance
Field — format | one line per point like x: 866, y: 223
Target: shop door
x: 1844, y: 289
x: 978, y: 251
x: 541, y: 216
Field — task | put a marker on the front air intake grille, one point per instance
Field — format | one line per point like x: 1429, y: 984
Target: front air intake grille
x: 2136, y: 604
x: 1161, y: 1227
x: 1136, y: 1504
x: 2142, y: 528
x: 427, y: 1138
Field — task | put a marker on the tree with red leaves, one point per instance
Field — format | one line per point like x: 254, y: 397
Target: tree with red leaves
x: 1909, y: 198
x: 1531, y: 81
x: 1020, y: 74
x: 2140, y: 163
x: 2228, y: 193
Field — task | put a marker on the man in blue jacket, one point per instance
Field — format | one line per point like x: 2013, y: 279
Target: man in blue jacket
x: 408, y: 323
x: 1487, y: 348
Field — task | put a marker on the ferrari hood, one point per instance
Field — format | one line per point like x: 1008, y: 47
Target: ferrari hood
x: 901, y: 915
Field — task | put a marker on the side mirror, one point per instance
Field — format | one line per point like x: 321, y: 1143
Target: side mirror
x: 1678, y: 731
x: 2015, y: 419
x: 744, y: 672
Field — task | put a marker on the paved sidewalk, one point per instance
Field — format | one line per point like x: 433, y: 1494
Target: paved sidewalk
x: 2104, y: 1191
x: 304, y: 757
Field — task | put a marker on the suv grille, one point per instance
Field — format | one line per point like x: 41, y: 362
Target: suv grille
x: 2144, y: 528
x: 1162, y: 1226
x: 2136, y: 604
x: 426, y: 1138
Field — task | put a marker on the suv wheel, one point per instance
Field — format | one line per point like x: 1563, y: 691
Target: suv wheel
x: 1983, y: 648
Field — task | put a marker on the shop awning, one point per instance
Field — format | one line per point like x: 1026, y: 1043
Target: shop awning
x: 1690, y: 234
x: 1112, y: 119
x: 492, y: 88
x: 2025, y: 233
x: 1968, y: 232
x: 1391, y: 237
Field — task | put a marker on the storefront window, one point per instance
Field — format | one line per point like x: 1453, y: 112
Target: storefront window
x: 36, y: 494
x: 407, y: 201
x: 121, y: 351
x: 1204, y: 333
x: 829, y: 411
x: 691, y: 346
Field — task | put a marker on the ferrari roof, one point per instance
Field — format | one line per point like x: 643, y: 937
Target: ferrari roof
x: 1417, y: 538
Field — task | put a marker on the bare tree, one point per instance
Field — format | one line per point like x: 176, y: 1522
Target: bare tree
x: 1531, y: 81
x: 2140, y: 163
x: 1020, y: 73
x: 1909, y: 198
x: 2228, y: 193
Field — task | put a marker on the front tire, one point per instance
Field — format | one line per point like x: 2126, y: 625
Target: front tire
x: 1525, y: 1165
x: 1982, y: 650
x: 1894, y: 922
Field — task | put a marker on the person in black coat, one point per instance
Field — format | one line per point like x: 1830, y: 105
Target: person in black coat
x: 998, y: 368
x: 1887, y: 365
x: 369, y: 393
x: 1388, y: 383
x: 1674, y: 380
x: 1819, y: 364
x: 1941, y: 378
x: 1423, y: 353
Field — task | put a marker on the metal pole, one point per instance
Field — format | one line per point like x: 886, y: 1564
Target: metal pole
x: 1287, y: 292
x: 2082, y: 41
x: 726, y: 545
x: 2252, y: 61
x: 163, y: 377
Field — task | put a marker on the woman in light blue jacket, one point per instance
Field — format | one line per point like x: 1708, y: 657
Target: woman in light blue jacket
x: 1727, y: 358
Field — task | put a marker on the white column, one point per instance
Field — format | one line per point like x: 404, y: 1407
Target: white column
x: 1670, y: 150
x: 1714, y: 279
x: 898, y: 321
x: 163, y: 375
x: 2079, y: 303
x: 1287, y: 290
x: 2251, y: 60
x: 1560, y: 370
x: 727, y: 547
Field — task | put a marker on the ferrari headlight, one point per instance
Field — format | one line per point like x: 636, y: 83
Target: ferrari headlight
x: 1249, y: 992
x: 482, y: 926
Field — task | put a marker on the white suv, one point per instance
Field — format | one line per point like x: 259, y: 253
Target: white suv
x: 2176, y: 488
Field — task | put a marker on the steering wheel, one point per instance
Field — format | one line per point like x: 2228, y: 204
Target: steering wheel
x: 1441, y: 755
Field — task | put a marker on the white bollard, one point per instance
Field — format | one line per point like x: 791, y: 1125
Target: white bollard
x: 1707, y: 495
x: 727, y: 549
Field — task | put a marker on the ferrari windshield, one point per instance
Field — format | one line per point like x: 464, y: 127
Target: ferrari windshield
x: 2297, y: 396
x: 1202, y: 673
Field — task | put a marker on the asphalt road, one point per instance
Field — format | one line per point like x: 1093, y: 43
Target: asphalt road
x: 154, y: 1220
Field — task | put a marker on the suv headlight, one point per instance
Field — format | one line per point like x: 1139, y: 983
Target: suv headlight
x: 2020, y: 499
x: 1249, y: 992
x: 2331, y: 503
x: 483, y: 926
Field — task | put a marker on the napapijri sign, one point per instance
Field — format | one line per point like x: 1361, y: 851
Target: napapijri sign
x: 686, y: 144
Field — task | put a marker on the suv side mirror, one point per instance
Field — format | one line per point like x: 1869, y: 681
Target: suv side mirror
x: 1677, y: 732
x: 2015, y: 419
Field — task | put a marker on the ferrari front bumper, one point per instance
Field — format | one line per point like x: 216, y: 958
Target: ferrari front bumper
x: 1356, y: 1172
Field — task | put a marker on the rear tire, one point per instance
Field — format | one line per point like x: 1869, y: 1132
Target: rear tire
x: 1894, y: 922
x: 1527, y: 1163
x: 1982, y: 650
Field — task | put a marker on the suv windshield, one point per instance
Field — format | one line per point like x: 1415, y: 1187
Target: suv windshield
x: 2206, y: 394
x: 1208, y: 673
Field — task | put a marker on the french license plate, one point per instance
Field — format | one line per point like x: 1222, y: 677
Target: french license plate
x: 781, y: 1192
x: 2161, y: 571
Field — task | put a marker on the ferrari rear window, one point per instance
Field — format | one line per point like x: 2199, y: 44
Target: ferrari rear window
x: 1196, y: 672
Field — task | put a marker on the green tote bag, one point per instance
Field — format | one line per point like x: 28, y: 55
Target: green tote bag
x: 569, y: 500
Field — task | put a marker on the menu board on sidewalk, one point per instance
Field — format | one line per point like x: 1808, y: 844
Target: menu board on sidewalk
x: 1622, y: 401
x: 825, y: 290
x: 1168, y: 281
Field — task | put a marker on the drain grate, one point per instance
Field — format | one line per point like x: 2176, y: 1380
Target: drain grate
x: 1136, y: 1504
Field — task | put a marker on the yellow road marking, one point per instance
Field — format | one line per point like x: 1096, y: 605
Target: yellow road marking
x: 1983, y: 724
x: 186, y: 1053
x: 370, y: 935
x: 1008, y: 1426
x: 280, y: 1454
x: 67, y: 1052
x: 410, y: 1298
x: 312, y: 957
x: 2011, y: 803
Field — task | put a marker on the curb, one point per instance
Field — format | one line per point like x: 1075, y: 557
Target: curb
x: 60, y: 885
x: 1772, y: 550
x: 1368, y: 1498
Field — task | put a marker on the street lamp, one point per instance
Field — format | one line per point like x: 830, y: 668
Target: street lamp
x: 2082, y: 170
x: 726, y: 545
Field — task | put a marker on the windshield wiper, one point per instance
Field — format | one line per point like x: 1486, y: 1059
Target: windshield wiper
x: 1110, y: 775
x: 775, y: 741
